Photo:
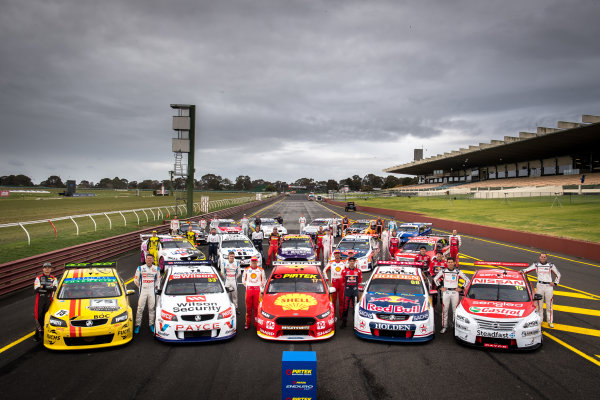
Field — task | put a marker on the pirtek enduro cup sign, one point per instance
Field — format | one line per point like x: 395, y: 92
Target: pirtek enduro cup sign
x: 299, y: 375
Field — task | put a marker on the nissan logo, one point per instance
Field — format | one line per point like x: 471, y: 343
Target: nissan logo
x: 89, y: 322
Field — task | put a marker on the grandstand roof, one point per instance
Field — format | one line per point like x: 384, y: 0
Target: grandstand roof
x: 569, y: 138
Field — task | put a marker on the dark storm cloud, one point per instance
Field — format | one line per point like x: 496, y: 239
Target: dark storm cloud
x: 322, y: 89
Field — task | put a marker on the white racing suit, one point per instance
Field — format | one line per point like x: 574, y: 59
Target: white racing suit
x: 245, y: 225
x: 327, y: 241
x: 302, y: 222
x: 385, y: 244
x: 147, y: 280
x: 230, y: 272
x: 544, y: 287
x: 450, y: 296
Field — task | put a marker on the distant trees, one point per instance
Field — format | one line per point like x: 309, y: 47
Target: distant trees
x: 15, y: 180
x: 53, y: 181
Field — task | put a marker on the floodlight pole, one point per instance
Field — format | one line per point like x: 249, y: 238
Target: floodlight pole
x: 191, y: 169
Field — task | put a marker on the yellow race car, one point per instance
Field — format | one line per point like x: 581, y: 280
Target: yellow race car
x: 90, y: 309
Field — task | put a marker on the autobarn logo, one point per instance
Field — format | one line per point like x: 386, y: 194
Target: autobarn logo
x: 296, y: 301
x: 498, y: 311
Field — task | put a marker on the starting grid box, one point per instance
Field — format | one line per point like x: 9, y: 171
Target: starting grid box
x: 299, y: 375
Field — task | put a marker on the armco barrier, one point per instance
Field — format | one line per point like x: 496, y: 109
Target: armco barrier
x: 574, y: 247
x: 18, y: 274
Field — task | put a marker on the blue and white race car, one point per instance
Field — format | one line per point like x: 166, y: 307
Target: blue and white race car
x: 364, y: 247
x: 395, y: 306
x: 193, y: 305
x: 410, y: 230
x: 241, y: 246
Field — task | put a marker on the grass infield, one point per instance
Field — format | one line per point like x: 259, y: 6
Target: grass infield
x: 578, y: 217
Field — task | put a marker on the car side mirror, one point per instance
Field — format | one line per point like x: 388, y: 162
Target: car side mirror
x: 130, y: 292
x: 361, y: 287
x: 332, y: 289
x: 537, y: 297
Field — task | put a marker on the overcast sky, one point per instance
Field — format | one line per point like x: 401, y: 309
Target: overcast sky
x: 283, y: 89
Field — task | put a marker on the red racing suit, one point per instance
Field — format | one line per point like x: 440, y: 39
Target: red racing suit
x: 394, y: 246
x: 320, y: 236
x: 337, y: 282
x: 351, y: 278
x: 455, y: 243
x: 254, y: 280
x: 425, y: 260
x: 436, y: 266
x: 273, y: 247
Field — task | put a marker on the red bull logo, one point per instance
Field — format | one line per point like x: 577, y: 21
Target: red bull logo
x: 396, y: 299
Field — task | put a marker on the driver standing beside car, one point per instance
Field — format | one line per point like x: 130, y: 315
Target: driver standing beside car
x: 230, y: 270
x: 245, y: 225
x: 174, y: 225
x: 152, y: 245
x: 213, y: 245
x: 337, y: 266
x: 385, y: 243
x: 302, y: 222
x: 147, y: 279
x: 44, y: 287
x: 351, y: 277
x: 274, y: 241
x: 254, y: 280
x: 545, y: 286
x: 257, y: 240
x: 450, y: 291
x: 327, y: 243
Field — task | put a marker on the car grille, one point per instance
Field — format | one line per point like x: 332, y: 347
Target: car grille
x: 88, y: 340
x: 199, y: 334
x: 294, y: 321
x: 83, y: 323
x: 295, y: 332
x: 495, y: 325
x: 201, y: 317
x: 393, y: 317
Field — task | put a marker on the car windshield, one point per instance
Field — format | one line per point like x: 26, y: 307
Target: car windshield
x: 409, y: 228
x: 416, y: 246
x: 267, y: 221
x: 195, y: 227
x: 227, y: 224
x: 229, y: 244
x: 177, y: 244
x: 359, y: 225
x: 498, y: 292
x: 319, y: 222
x: 187, y: 284
x: 353, y: 245
x: 296, y: 243
x: 89, y: 288
x: 295, y: 283
x: 395, y: 286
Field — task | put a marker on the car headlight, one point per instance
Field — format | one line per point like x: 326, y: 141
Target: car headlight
x: 279, y: 257
x: 266, y: 314
x: 324, y: 315
x: 364, y: 313
x: 311, y: 258
x: 531, y: 324
x: 463, y: 318
x: 57, y: 322
x: 120, y: 318
x: 421, y: 317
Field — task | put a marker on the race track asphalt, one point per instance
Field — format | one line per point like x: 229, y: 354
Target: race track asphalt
x: 246, y: 367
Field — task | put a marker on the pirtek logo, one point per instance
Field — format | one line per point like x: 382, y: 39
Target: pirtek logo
x: 298, y: 372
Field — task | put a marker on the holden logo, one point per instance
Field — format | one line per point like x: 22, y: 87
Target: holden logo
x: 198, y: 318
x: 495, y: 325
x: 89, y: 322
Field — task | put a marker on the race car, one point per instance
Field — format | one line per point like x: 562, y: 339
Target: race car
x: 358, y: 226
x: 364, y: 247
x: 193, y: 304
x: 296, y: 304
x: 296, y: 248
x: 312, y: 228
x: 498, y: 311
x: 267, y: 225
x: 90, y: 310
x: 410, y: 230
x: 432, y: 243
x: 172, y: 249
x: 396, y: 305
x: 228, y: 226
x: 242, y: 247
x: 200, y: 233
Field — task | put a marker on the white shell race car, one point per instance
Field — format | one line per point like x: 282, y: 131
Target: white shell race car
x: 242, y: 247
x: 171, y: 248
x: 193, y: 305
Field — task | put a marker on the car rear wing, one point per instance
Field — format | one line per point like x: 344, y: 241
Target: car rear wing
x: 112, y: 264
x: 301, y: 263
x: 501, y: 264
x: 429, y: 224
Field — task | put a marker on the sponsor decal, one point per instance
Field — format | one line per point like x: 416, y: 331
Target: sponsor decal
x: 61, y: 313
x: 321, y: 333
x: 496, y: 335
x: 227, y: 313
x: 163, y: 327
x: 295, y: 301
x: 190, y: 276
x: 423, y: 328
x: 496, y: 281
x: 270, y: 325
x: 290, y: 276
x: 321, y: 325
x: 266, y: 332
x: 461, y: 326
x: 187, y: 307
x: 90, y: 279
x: 496, y: 346
x: 392, y: 327
x: 198, y: 327
x: 530, y: 333
x: 295, y: 327
x: 299, y: 386
x: 362, y: 324
x: 393, y: 309
x: 253, y: 275
x: 193, y: 299
x: 395, y: 299
x: 167, y: 316
x: 101, y: 316
x: 497, y: 311
x: 397, y: 276
x: 294, y: 372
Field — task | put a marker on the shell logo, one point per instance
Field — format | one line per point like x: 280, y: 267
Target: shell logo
x: 295, y: 301
x: 253, y: 275
x: 337, y: 269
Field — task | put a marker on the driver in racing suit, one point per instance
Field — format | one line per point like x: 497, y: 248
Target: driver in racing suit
x: 274, y: 242
x: 337, y: 265
x: 379, y: 226
x: 320, y: 235
x: 385, y: 243
x: 450, y: 291
x: 302, y: 222
x: 394, y: 245
x: 257, y: 240
x: 230, y: 270
x: 455, y: 243
x: 245, y: 224
x: 545, y: 286
x: 327, y: 242
x: 174, y: 225
x: 147, y: 279
x: 254, y: 280
x: 345, y: 223
x: 351, y: 278
x: 422, y: 257
x: 203, y: 224
x: 152, y: 245
x: 334, y: 226
x: 190, y: 235
x: 213, y: 246
x: 44, y: 287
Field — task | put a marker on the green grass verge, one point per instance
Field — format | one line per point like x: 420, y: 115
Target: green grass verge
x: 577, y: 218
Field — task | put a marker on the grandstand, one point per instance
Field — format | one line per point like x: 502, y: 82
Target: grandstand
x: 550, y: 157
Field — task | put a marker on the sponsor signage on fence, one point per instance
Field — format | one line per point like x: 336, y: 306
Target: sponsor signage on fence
x: 299, y: 375
x: 4, y: 193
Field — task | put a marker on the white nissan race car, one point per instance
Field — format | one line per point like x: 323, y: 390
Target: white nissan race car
x: 242, y: 247
x: 193, y: 305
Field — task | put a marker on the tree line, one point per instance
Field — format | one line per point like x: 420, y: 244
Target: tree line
x: 215, y: 182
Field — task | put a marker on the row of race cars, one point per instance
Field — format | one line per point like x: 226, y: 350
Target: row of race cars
x: 91, y: 307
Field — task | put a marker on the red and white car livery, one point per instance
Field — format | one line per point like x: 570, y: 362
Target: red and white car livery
x: 296, y: 304
x: 193, y: 305
x: 499, y: 311
x: 228, y: 226
x: 432, y: 243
